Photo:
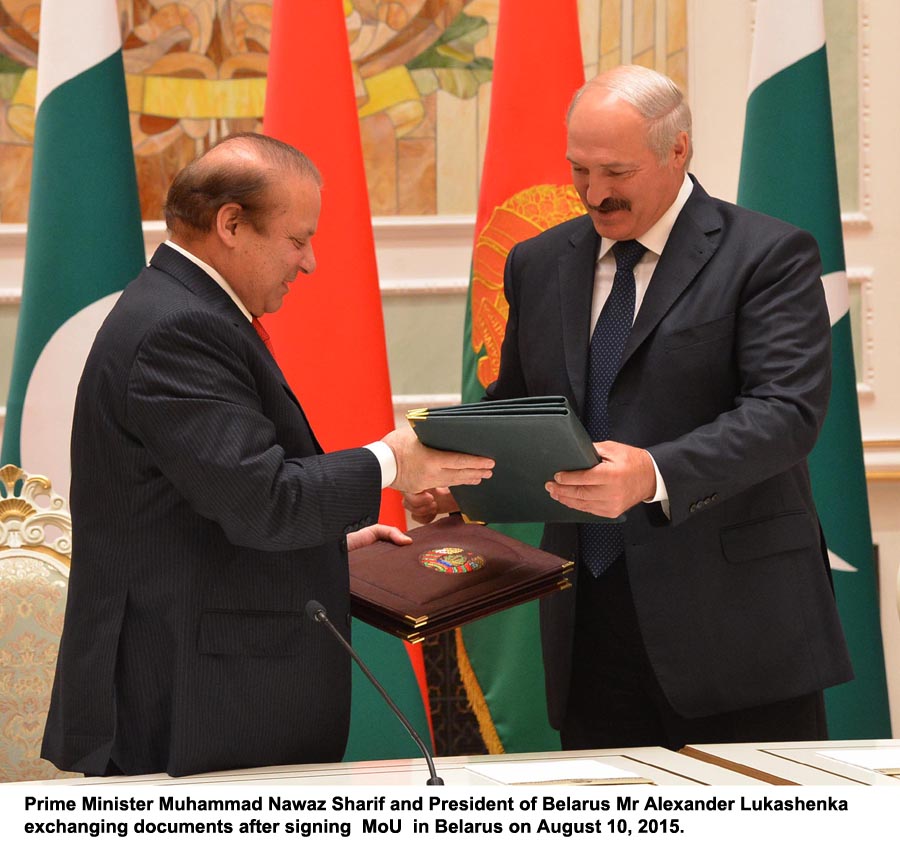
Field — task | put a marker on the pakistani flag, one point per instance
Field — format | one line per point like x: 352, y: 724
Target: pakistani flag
x: 84, y: 227
x: 788, y: 171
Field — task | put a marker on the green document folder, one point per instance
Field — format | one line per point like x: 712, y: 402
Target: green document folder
x: 529, y: 438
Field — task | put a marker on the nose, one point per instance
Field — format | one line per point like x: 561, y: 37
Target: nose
x: 307, y: 259
x: 597, y: 190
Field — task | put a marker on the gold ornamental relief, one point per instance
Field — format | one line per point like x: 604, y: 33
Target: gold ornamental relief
x: 527, y: 213
x: 33, y: 516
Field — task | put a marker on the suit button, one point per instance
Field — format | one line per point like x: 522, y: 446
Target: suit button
x: 693, y: 507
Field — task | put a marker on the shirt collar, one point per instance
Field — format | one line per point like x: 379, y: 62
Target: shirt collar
x: 656, y: 237
x: 214, y: 274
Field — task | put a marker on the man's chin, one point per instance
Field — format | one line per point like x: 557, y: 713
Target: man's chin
x: 274, y: 304
x: 613, y: 225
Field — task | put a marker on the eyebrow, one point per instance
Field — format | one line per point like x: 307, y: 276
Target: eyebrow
x: 605, y: 164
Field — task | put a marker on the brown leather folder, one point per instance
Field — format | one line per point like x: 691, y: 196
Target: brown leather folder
x: 472, y: 571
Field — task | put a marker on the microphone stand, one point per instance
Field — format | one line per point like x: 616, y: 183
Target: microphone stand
x: 317, y: 613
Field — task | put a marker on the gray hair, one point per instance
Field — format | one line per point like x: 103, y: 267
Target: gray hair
x: 655, y: 97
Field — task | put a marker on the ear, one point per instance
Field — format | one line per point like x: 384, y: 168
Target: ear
x: 680, y: 149
x: 228, y: 219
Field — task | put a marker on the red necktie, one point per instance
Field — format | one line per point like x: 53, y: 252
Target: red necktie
x: 261, y: 331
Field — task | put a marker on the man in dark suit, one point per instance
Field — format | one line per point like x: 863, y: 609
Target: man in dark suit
x: 205, y: 514
x: 693, y: 338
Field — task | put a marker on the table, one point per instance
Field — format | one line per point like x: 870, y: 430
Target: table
x: 659, y: 765
x: 800, y: 763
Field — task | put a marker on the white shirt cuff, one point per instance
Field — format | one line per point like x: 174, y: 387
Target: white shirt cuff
x: 661, y: 496
x: 387, y: 461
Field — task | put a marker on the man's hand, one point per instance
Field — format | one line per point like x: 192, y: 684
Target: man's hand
x: 374, y: 533
x: 420, y: 468
x: 425, y: 506
x: 624, y: 478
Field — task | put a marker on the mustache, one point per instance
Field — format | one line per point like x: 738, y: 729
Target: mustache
x: 612, y: 204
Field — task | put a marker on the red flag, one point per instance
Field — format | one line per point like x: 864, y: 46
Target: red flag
x: 526, y: 187
x: 526, y: 184
x: 329, y: 334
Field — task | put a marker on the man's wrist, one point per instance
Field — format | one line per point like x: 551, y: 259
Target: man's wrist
x: 660, y: 493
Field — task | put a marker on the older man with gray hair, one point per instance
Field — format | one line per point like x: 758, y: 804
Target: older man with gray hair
x: 692, y: 337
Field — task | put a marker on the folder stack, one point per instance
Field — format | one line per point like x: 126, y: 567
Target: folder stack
x: 452, y: 573
x: 530, y: 439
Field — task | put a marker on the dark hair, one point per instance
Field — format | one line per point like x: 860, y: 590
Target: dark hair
x: 244, y: 175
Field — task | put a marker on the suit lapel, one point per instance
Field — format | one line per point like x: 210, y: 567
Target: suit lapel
x: 576, y: 287
x: 691, y: 244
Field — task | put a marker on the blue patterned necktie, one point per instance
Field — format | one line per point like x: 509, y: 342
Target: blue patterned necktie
x: 601, y: 544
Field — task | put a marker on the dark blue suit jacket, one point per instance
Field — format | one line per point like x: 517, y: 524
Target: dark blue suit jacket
x: 205, y: 516
x: 725, y: 380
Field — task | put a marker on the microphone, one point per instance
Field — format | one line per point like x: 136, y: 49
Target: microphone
x: 317, y: 613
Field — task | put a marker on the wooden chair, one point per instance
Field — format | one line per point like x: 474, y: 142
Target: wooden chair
x: 35, y: 548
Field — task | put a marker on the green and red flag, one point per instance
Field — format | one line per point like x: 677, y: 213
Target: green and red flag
x: 84, y: 241
x: 329, y: 334
x: 788, y: 171
x: 525, y: 188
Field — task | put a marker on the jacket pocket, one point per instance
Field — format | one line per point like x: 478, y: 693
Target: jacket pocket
x: 709, y: 331
x: 250, y: 633
x: 789, y: 531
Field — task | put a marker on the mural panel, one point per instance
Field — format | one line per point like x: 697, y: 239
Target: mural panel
x: 196, y: 71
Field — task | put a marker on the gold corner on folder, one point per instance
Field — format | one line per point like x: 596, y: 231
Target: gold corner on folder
x: 416, y: 621
x: 417, y: 414
x: 468, y: 520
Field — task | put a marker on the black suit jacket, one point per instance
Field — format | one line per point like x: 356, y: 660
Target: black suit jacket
x: 205, y: 516
x: 725, y: 380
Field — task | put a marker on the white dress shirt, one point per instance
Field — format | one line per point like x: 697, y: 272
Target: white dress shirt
x: 655, y: 241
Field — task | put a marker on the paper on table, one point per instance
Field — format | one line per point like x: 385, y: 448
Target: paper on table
x: 554, y: 771
x: 885, y: 760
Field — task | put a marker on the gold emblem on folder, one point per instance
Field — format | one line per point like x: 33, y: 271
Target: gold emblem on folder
x: 451, y: 560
